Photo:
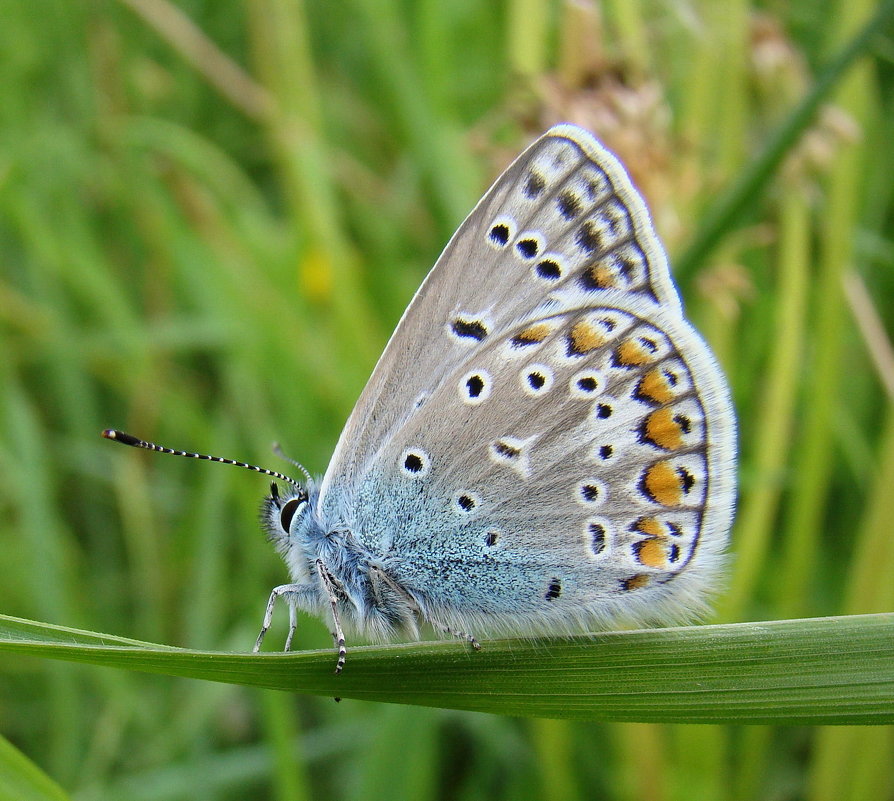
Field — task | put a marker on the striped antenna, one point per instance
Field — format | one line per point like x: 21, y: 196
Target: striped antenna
x: 134, y: 442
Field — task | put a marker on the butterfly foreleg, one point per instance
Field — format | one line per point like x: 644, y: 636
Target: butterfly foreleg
x: 329, y: 584
x: 293, y: 624
x: 290, y: 592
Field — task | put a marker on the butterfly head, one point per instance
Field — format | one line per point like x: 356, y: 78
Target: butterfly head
x: 283, y: 514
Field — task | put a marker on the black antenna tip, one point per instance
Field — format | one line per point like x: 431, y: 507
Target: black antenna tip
x: 120, y: 436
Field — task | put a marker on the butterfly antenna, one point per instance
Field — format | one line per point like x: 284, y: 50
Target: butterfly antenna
x: 278, y: 451
x: 134, y: 442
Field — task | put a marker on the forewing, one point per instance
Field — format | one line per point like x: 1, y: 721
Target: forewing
x: 561, y: 227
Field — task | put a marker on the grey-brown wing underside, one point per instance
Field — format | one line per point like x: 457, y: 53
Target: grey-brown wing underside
x: 561, y: 228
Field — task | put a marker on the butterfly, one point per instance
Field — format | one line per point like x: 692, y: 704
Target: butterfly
x: 545, y: 445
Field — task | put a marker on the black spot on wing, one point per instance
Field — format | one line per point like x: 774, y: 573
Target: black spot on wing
x: 413, y: 463
x: 549, y: 270
x: 587, y: 384
x: 535, y: 183
x: 475, y: 385
x: 597, y: 537
x: 528, y: 248
x: 506, y: 450
x: 588, y: 238
x: 471, y: 329
x: 499, y: 234
x: 569, y: 205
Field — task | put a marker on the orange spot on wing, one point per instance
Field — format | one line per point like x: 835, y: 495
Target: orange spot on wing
x: 663, y: 484
x: 635, y: 582
x: 652, y: 553
x: 583, y: 337
x: 654, y: 386
x: 633, y: 353
x: 651, y: 526
x: 602, y: 277
x: 663, y: 428
x: 534, y: 333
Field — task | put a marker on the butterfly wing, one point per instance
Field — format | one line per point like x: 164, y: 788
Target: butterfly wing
x: 545, y: 437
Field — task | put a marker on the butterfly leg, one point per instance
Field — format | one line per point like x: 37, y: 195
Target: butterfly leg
x: 293, y: 624
x: 339, y: 636
x: 289, y: 591
x: 459, y: 635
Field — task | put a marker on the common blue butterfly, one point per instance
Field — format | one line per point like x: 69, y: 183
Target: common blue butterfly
x: 545, y: 444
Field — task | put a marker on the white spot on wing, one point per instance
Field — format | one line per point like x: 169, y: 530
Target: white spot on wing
x: 513, y: 452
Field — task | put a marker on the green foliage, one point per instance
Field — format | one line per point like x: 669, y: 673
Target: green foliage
x: 211, y: 217
x: 822, y: 670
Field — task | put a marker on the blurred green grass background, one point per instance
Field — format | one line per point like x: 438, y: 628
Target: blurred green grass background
x: 211, y: 218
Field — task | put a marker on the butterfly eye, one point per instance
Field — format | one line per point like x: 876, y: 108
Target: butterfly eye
x: 287, y: 513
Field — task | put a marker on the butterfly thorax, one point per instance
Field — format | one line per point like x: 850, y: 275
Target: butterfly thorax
x: 327, y: 561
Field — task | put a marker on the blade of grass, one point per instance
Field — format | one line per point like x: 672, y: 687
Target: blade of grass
x: 722, y: 129
x: 22, y: 780
x: 644, y: 744
x: 823, y: 670
x: 246, y: 765
x: 552, y: 741
x: 754, y: 529
x: 388, y: 773
x: 217, y: 67
x: 727, y: 120
x: 435, y: 146
x: 627, y: 20
x: 731, y: 206
x: 49, y: 565
x: 289, y: 775
x: 526, y: 40
x: 330, y: 269
x: 846, y: 760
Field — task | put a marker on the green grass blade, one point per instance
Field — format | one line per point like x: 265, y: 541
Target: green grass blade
x: 831, y: 670
x: 22, y: 780
x: 722, y: 218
